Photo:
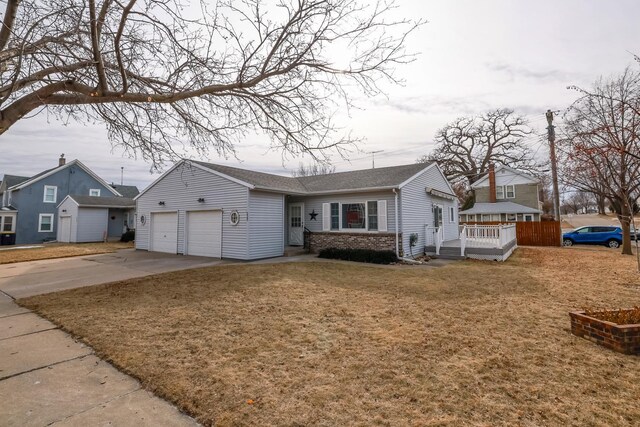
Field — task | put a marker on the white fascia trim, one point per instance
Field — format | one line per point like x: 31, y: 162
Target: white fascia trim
x: 222, y: 175
x: 498, y: 169
x: 184, y: 161
x: 67, y: 197
x: 417, y: 175
x: 59, y: 168
x: 325, y: 193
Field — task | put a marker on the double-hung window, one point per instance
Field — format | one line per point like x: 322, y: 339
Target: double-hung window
x: 94, y: 192
x: 50, y: 194
x: 511, y: 191
x: 7, y: 224
x: 499, y: 192
x: 372, y: 215
x: 335, y: 216
x: 45, y: 223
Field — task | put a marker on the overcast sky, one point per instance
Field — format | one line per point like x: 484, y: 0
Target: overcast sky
x: 474, y: 56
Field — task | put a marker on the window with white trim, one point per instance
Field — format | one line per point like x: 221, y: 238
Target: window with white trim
x: 511, y: 191
x: 50, y: 194
x: 45, y: 223
x: 511, y: 217
x: 94, y: 192
x: 452, y: 214
x: 335, y: 216
x: 354, y: 215
x: 6, y: 224
x: 499, y: 192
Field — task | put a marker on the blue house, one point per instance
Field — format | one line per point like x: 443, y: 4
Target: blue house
x: 29, y: 208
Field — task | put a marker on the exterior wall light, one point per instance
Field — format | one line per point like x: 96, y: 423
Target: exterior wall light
x: 201, y: 200
x: 161, y: 203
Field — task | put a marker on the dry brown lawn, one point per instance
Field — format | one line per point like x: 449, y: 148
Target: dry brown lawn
x: 59, y: 250
x: 471, y: 343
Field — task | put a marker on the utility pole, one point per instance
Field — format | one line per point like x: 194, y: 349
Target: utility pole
x: 551, y: 133
x: 121, y: 175
x: 373, y: 157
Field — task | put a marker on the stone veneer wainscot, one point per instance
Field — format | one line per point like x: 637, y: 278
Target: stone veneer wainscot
x: 376, y: 241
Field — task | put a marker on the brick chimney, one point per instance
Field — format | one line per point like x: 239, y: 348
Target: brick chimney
x: 492, y: 183
x: 62, y: 161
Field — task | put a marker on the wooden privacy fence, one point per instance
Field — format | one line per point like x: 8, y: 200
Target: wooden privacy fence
x: 543, y: 233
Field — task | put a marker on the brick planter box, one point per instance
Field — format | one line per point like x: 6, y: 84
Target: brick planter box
x: 342, y: 240
x: 621, y: 338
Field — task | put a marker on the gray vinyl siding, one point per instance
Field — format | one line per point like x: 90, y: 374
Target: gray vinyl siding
x: 314, y: 204
x: 180, y: 189
x: 29, y: 201
x: 417, y: 207
x: 91, y: 224
x: 266, y: 224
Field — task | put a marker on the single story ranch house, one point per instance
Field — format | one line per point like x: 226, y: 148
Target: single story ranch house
x: 205, y: 209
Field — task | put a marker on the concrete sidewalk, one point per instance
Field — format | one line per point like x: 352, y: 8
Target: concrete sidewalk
x: 48, y: 378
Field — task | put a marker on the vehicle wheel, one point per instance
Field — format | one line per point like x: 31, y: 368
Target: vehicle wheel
x: 613, y: 244
x: 567, y: 242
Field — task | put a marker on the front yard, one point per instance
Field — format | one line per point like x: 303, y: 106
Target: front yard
x: 58, y: 250
x: 471, y: 343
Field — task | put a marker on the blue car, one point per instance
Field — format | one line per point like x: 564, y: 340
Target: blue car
x: 594, y: 235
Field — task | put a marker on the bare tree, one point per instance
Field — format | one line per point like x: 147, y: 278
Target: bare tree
x: 466, y: 146
x: 602, y: 151
x: 313, y: 169
x: 165, y: 75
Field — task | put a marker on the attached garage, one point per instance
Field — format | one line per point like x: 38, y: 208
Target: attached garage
x: 164, y: 232
x: 93, y: 218
x: 204, y: 233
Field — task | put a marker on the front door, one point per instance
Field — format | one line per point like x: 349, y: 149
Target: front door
x: 296, y: 224
x: 437, y: 216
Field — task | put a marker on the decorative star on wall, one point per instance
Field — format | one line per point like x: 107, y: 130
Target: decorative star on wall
x: 313, y: 215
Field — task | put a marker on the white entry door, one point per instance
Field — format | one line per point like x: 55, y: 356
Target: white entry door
x: 204, y: 233
x: 164, y: 232
x: 296, y: 224
x: 65, y: 229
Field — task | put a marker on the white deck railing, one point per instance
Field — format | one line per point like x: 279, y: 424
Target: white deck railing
x: 486, y: 236
x: 434, y: 236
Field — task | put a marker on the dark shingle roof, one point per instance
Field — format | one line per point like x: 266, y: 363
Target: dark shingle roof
x: 130, y: 191
x: 104, y: 202
x: 387, y: 177
x: 259, y: 179
x: 11, y: 180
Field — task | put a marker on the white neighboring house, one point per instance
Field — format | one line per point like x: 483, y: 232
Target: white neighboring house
x: 205, y: 209
x: 94, y: 218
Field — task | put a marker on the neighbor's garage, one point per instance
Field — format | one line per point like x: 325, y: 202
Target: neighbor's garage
x: 204, y: 233
x: 164, y: 232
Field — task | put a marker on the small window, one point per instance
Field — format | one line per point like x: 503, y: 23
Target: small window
x: 94, y: 192
x: 372, y: 215
x: 234, y: 218
x: 499, y: 192
x: 7, y: 223
x: 511, y: 191
x: 511, y: 217
x: 335, y: 216
x: 50, y: 194
x: 452, y: 214
x: 353, y: 215
x: 45, y: 223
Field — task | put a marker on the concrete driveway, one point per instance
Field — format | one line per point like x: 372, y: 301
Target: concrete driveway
x: 38, y: 277
x: 49, y: 378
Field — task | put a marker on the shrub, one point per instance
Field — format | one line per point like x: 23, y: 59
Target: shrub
x: 128, y: 236
x: 359, y: 255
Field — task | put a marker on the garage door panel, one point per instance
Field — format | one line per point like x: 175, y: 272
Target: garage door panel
x: 204, y: 233
x: 164, y: 232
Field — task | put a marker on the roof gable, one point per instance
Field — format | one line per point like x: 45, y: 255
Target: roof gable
x: 484, y: 181
x: 49, y: 172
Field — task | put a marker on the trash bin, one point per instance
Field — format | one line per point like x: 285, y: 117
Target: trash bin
x: 7, y: 239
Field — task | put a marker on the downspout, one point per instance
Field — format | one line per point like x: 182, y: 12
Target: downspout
x: 397, y: 241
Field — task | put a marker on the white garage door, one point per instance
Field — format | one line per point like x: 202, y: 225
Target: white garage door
x: 164, y: 232
x: 204, y: 233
